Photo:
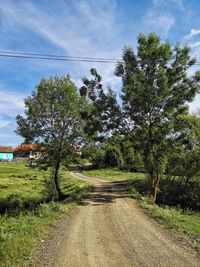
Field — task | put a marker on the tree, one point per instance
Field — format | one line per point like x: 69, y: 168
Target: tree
x: 132, y: 158
x: 156, y: 88
x: 95, y: 152
x: 52, y: 117
x: 180, y: 185
x: 113, y: 156
x: 102, y: 114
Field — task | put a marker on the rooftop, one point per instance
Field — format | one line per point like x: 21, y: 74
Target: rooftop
x: 6, y: 149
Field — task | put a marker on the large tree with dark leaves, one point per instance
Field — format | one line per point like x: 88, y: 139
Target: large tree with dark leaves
x: 102, y: 114
x: 156, y: 88
x: 52, y: 117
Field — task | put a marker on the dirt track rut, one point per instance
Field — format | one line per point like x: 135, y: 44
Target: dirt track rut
x: 108, y: 229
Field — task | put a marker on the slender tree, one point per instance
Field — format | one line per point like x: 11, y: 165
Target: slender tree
x: 156, y: 88
x: 103, y: 113
x: 52, y: 117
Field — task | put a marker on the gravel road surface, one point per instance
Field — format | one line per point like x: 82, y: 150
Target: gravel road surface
x: 108, y: 229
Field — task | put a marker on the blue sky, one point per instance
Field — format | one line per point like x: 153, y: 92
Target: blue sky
x: 81, y: 28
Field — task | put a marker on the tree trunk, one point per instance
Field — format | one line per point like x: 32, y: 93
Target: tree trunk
x: 154, y: 188
x: 56, y: 181
x: 154, y: 191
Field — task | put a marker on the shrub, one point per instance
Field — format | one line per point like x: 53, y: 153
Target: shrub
x: 179, y: 192
x: 50, y: 192
x: 181, y: 185
x: 15, y: 203
x: 113, y: 157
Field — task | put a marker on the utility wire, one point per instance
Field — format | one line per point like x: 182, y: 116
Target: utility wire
x: 57, y: 56
x: 29, y: 55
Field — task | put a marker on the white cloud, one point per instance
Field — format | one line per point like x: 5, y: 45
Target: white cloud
x: 194, y: 45
x: 88, y: 31
x: 11, y: 103
x: 195, y: 51
x: 192, y: 33
x: 157, y: 21
x: 81, y: 28
x: 3, y: 122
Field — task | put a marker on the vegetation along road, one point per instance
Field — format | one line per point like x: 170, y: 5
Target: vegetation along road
x: 108, y: 229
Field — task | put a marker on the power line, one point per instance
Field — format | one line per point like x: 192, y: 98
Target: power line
x: 28, y: 55
x: 57, y: 56
x: 38, y: 56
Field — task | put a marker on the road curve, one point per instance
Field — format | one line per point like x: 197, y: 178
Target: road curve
x: 107, y: 229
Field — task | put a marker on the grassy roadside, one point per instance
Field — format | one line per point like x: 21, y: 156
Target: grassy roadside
x: 113, y: 174
x: 21, y: 228
x: 186, y: 223
x: 18, y: 233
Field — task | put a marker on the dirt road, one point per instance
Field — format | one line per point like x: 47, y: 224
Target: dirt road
x: 108, y: 229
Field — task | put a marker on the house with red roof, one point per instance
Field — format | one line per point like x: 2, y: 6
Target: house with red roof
x: 28, y: 151
x: 6, y: 153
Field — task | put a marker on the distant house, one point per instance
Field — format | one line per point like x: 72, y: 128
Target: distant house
x: 29, y: 151
x: 6, y: 153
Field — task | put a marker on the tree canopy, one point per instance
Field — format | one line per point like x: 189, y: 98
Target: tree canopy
x: 52, y: 118
x: 103, y: 113
x: 156, y: 89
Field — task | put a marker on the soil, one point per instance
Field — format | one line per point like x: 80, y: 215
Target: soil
x: 108, y: 229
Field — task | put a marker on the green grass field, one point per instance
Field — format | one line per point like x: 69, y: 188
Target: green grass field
x: 186, y: 223
x: 24, y: 187
x: 21, y: 227
x: 20, y: 184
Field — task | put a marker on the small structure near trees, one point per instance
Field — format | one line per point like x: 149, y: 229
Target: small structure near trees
x: 28, y: 151
x: 6, y: 153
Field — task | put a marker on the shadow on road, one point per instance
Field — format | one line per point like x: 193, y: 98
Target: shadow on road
x: 106, y: 193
